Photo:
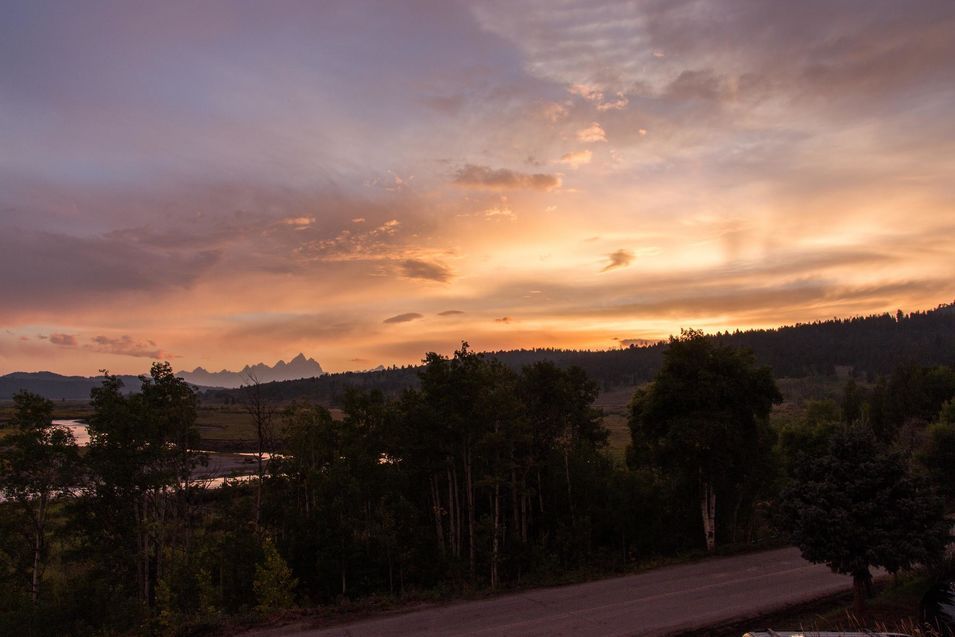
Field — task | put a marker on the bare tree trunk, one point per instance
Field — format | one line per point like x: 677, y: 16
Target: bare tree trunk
x: 161, y: 502
x: 495, y: 542
x: 457, y: 512
x: 736, y: 508
x: 570, y: 495
x: 391, y: 574
x: 469, y: 484
x: 524, y: 509
x: 451, y: 521
x: 859, y: 592
x: 138, y: 506
x: 37, y: 550
x: 436, y: 507
x: 261, y: 412
x: 35, y: 588
x: 146, y: 548
x: 540, y: 491
x: 708, y: 510
x: 515, y: 508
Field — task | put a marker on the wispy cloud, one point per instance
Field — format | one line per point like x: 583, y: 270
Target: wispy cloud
x: 403, y: 318
x: 63, y: 340
x: 474, y: 176
x: 619, y: 259
x: 601, y: 101
x: 127, y: 346
x: 428, y: 270
x: 298, y: 221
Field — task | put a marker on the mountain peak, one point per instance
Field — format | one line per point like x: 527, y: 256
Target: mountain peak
x: 298, y: 367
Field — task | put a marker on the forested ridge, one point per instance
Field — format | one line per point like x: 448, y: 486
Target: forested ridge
x: 871, y: 346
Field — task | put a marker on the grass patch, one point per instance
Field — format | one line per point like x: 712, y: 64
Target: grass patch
x: 894, y: 609
x: 619, y: 437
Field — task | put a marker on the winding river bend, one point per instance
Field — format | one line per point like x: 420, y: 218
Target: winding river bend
x: 223, y: 466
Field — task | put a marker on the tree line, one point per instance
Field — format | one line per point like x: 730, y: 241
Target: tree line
x: 871, y: 346
x: 480, y: 477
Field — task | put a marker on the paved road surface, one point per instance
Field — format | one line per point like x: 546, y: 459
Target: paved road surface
x: 651, y: 603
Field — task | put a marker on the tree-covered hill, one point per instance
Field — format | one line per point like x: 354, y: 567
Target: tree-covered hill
x: 54, y: 386
x: 871, y: 346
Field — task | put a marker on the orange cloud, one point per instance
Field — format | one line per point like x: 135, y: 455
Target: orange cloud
x: 576, y: 159
x: 593, y: 133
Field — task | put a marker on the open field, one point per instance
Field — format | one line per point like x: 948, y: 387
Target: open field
x: 230, y: 428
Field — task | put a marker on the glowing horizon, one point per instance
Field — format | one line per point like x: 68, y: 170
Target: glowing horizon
x: 219, y: 184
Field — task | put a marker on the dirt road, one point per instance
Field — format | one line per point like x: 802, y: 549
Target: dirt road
x: 652, y: 603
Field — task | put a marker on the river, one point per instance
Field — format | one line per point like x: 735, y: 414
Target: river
x: 222, y: 467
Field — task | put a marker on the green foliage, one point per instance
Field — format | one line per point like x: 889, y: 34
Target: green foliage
x: 912, y: 394
x: 140, y: 458
x: 853, y: 402
x: 706, y: 408
x: 938, y: 456
x: 946, y: 414
x: 820, y: 413
x: 705, y: 418
x: 799, y: 442
x: 38, y: 465
x: 274, y: 585
x: 858, y: 507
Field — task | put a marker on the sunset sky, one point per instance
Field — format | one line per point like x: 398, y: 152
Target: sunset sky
x: 222, y: 183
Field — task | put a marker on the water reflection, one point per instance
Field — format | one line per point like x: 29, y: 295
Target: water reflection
x: 80, y: 433
x: 223, y: 467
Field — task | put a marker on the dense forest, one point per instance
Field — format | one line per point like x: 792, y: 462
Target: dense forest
x: 869, y: 346
x: 480, y: 477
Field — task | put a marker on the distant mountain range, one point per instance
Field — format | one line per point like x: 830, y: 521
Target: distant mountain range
x: 298, y: 367
x: 55, y: 386
x: 58, y: 387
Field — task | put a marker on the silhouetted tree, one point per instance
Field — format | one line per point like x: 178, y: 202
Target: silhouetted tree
x: 938, y: 454
x: 38, y: 464
x: 262, y: 411
x: 140, y: 457
x: 705, y: 417
x: 857, y: 507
